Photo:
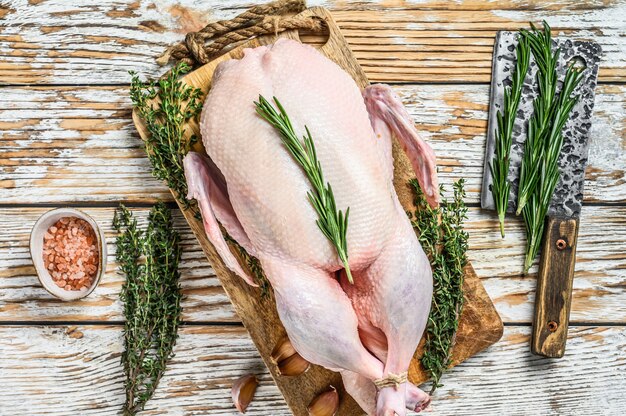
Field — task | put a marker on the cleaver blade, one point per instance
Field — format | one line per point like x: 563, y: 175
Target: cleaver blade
x: 556, y: 266
x: 567, y: 198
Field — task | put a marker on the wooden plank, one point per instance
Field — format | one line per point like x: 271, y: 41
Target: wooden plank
x: 72, y: 144
x: 23, y: 298
x: 600, y: 265
x: 65, y: 144
x: 97, y: 42
x: 45, y: 370
x: 598, y: 295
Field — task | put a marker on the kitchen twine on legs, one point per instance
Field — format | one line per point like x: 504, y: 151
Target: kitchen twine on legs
x: 392, y: 380
x: 259, y: 20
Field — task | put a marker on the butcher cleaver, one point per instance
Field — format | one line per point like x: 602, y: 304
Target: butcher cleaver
x: 558, y: 254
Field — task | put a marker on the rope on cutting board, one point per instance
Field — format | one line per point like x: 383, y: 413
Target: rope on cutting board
x: 200, y: 47
x: 392, y: 380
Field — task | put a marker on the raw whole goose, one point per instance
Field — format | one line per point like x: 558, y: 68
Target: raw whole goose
x: 251, y: 185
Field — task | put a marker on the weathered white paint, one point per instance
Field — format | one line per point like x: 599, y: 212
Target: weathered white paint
x: 598, y: 287
x: 66, y: 144
x: 63, y: 144
x: 46, y: 371
x: 23, y: 298
x: 97, y: 42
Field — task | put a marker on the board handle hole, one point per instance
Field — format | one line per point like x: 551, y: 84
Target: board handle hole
x: 315, y: 39
x: 561, y: 244
x: 552, y: 326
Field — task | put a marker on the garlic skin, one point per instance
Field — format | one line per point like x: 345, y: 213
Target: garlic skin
x: 287, y: 359
x: 243, y: 390
x: 284, y: 349
x: 325, y: 404
x: 293, y: 366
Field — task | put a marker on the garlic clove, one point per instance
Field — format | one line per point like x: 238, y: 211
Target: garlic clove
x: 283, y: 350
x: 243, y: 391
x: 293, y: 366
x: 326, y: 404
x: 289, y: 362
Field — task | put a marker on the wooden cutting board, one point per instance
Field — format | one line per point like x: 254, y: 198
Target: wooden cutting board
x: 480, y: 324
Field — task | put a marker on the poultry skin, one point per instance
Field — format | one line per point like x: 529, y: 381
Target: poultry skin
x: 252, y: 186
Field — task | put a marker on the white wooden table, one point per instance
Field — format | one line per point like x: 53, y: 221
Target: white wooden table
x: 66, y: 139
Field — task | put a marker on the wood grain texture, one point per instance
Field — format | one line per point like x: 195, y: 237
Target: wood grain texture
x: 97, y: 42
x: 598, y: 294
x: 23, y: 298
x: 554, y: 286
x: 481, y: 325
x: 75, y: 144
x: 66, y: 144
x: 48, y: 371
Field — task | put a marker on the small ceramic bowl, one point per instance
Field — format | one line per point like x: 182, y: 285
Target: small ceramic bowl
x: 36, y: 252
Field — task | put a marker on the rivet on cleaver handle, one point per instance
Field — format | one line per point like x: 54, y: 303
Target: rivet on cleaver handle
x: 554, y: 286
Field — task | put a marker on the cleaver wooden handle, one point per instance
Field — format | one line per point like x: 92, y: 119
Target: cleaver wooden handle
x: 554, y: 287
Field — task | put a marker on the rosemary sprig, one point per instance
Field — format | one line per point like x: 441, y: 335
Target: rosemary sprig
x: 499, y: 166
x: 165, y: 106
x: 332, y: 222
x: 443, y: 239
x: 543, y: 105
x: 151, y: 297
x: 539, y: 172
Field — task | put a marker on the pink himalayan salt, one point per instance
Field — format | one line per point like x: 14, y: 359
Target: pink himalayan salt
x: 70, y: 254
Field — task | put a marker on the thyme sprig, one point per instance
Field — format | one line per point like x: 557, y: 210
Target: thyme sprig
x: 255, y: 268
x: 499, y: 166
x: 539, y: 172
x: 332, y: 222
x: 166, y: 106
x: 444, y: 241
x: 151, y: 294
x: 253, y: 264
